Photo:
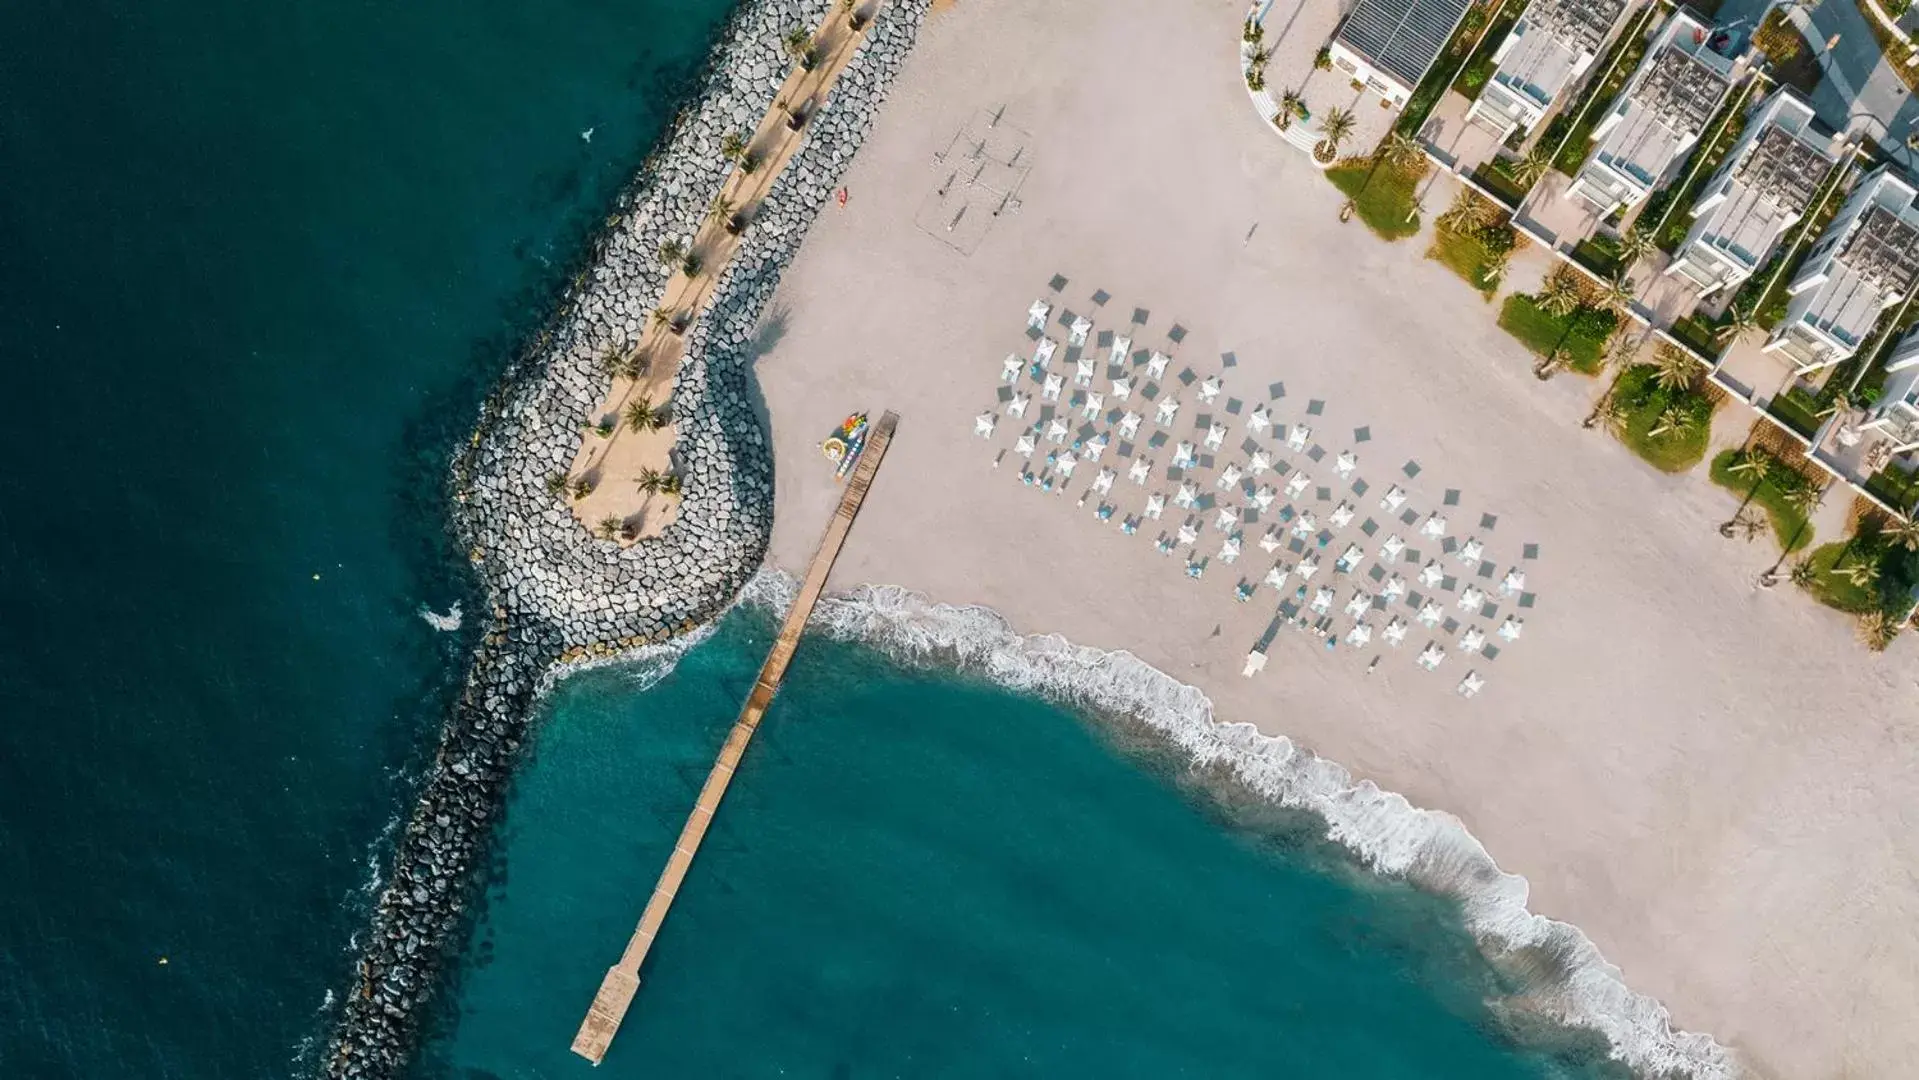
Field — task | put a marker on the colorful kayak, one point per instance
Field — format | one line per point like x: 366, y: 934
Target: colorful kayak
x: 843, y: 447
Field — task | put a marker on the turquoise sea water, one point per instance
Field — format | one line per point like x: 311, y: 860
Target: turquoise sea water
x: 922, y: 875
x: 258, y: 261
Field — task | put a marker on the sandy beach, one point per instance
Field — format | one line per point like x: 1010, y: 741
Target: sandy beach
x: 1715, y: 783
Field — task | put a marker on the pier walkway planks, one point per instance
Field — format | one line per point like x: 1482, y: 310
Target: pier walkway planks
x: 623, y: 979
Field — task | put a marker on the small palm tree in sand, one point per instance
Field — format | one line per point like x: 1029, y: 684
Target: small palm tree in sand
x: 1334, y: 130
x: 1527, y: 170
x: 1739, y: 319
x: 662, y: 318
x: 556, y: 484
x: 1673, y: 369
x: 1902, y: 533
x: 1674, y: 420
x: 642, y: 415
x: 1550, y: 364
x: 1616, y: 293
x: 670, y: 484
x: 1466, y: 213
x: 1291, y: 107
x: 1560, y: 293
x: 1753, y: 465
x: 1634, y: 245
x: 671, y: 252
x: 721, y: 209
x: 1610, y: 414
x: 691, y: 264
x: 733, y: 146
x: 582, y: 488
x: 608, y: 528
x: 1803, y: 573
x: 1876, y: 630
x: 798, y: 44
x: 651, y: 481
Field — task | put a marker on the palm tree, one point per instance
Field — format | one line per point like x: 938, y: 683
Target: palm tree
x: 1903, y: 532
x: 670, y: 484
x: 1291, y: 107
x: 1527, y: 170
x: 1876, y: 630
x: 691, y: 264
x: 721, y: 209
x: 1551, y: 363
x: 1610, y: 414
x: 1805, y: 497
x: 1745, y: 521
x: 1559, y: 294
x: 1634, y: 245
x: 642, y: 416
x: 1803, y: 573
x: 1862, y: 574
x: 556, y: 484
x: 651, y: 481
x: 582, y: 488
x: 1467, y: 212
x: 609, y: 527
x: 1755, y: 464
x: 662, y: 318
x: 1673, y: 420
x: 672, y: 251
x: 1616, y: 293
x: 1673, y: 369
x: 1841, y: 403
x: 1335, y: 129
x: 1399, y: 152
x: 732, y: 146
x: 798, y: 44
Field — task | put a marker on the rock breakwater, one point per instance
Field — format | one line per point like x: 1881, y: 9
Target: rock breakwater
x: 557, y: 596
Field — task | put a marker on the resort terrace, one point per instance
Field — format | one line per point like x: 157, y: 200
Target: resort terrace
x: 1763, y: 188
x: 1553, y: 43
x: 1867, y: 261
x: 1661, y: 115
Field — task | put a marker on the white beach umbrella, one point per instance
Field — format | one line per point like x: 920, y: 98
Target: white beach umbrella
x: 1432, y: 656
x: 1024, y: 447
x: 1394, y: 589
x: 1360, y: 634
x: 1471, y: 685
x: 1187, y: 495
x: 1432, y: 574
x: 1083, y: 370
x: 1346, y: 463
x: 1036, y: 315
x: 1168, y: 409
x: 1129, y: 424
x: 1091, y: 406
x: 1276, y: 577
x: 983, y: 425
x: 1322, y: 600
x: 1358, y: 604
x: 1255, y: 663
x: 1155, y: 506
x: 1299, y: 483
x: 1121, y: 351
x: 1095, y: 446
x: 1470, y: 598
x: 1394, y: 498
x: 1430, y: 614
x: 1188, y: 535
x: 1017, y: 406
x: 1263, y: 498
x: 1395, y: 631
x: 1225, y: 518
x: 1228, y: 477
x: 1122, y: 388
x: 1140, y: 470
x: 1298, y: 437
x: 1216, y: 435
x: 1511, y: 627
x: 1156, y: 365
x: 1056, y: 431
x: 1049, y: 391
x: 1515, y: 581
x: 1434, y: 526
x: 1209, y: 389
x: 1043, y: 352
x: 1259, y: 462
x: 1469, y: 552
x: 1306, y: 568
x: 1184, y: 455
x: 1103, y: 483
x: 1342, y: 515
x: 1066, y: 464
x: 1472, y: 640
x: 1229, y: 551
x: 1260, y: 420
x: 1271, y: 541
x: 1305, y: 525
x: 1390, y: 550
x: 1081, y: 326
x: 1009, y: 374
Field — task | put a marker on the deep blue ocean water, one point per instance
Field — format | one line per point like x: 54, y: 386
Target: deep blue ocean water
x: 258, y: 262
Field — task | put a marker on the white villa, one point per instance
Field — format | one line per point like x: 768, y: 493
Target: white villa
x: 1762, y: 189
x: 1390, y: 44
x: 1660, y: 116
x: 1865, y: 262
x: 1897, y: 412
x: 1551, y: 45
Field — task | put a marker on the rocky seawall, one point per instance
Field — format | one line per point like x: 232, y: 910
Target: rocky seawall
x: 557, y: 596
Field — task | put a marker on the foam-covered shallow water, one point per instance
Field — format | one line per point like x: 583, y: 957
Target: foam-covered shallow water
x: 949, y: 853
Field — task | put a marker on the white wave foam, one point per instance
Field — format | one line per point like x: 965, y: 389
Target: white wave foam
x: 642, y: 667
x: 443, y: 623
x: 1429, y: 848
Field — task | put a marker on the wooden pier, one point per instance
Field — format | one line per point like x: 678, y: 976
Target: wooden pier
x: 623, y: 979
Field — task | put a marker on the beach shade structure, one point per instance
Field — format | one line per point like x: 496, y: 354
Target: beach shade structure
x: 1432, y: 574
x: 1091, y: 406
x: 1129, y: 424
x: 1470, y: 552
x: 1056, y: 431
x: 1297, y: 485
x: 1215, y: 435
x: 1122, y: 348
x: 1095, y: 446
x: 1156, y: 506
x: 1066, y: 464
x: 1260, y: 420
x: 1255, y: 663
x: 1360, y: 634
x: 1049, y: 391
x: 1358, y: 604
x: 1083, y: 370
x: 1434, y: 526
x: 1350, y: 559
x: 1394, y: 498
x: 1165, y: 545
x: 1024, y: 447
x: 1430, y: 614
x: 1017, y: 406
x: 1186, y: 496
x: 1431, y: 656
x: 1263, y: 498
x: 1009, y: 374
x: 1471, y: 685
x: 1140, y: 470
x: 1036, y: 315
x: 1322, y: 600
x: 1122, y: 388
x: 1209, y: 389
x: 1156, y: 365
x: 1243, y: 591
x: 1228, y: 477
x: 1103, y: 483
x: 1394, y: 590
x: 1195, y: 569
x: 1471, y: 599
x: 1225, y: 519
x: 1305, y: 525
x: 1345, y: 463
x: 1509, y: 629
x: 1306, y: 568
x: 1472, y: 640
x: 1229, y: 550
x: 1272, y: 540
x: 1043, y: 352
x: 1188, y: 536
x: 1341, y: 516
x: 1259, y: 462
x: 1080, y: 328
x: 1298, y: 437
x: 1514, y: 582
x: 1394, y: 631
x: 983, y: 425
x: 1276, y: 577
x: 1185, y: 455
x: 1167, y: 410
x: 1391, y: 549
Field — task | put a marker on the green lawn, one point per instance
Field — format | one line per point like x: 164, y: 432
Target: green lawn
x: 1788, y: 524
x: 1835, y: 590
x: 1386, y: 204
x: 1470, y: 255
x: 1583, y: 333
x: 1645, y: 401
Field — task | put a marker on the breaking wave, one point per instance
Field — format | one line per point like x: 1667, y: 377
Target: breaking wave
x: 1562, y: 974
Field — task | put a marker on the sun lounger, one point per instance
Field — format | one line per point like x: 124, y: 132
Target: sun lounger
x: 1165, y: 545
x: 1243, y: 591
x: 1195, y: 569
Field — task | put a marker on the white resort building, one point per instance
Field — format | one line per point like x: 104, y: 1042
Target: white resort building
x: 1764, y: 186
x: 1660, y: 116
x: 1553, y: 44
x: 1865, y: 262
x: 1390, y: 44
x: 1896, y: 414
